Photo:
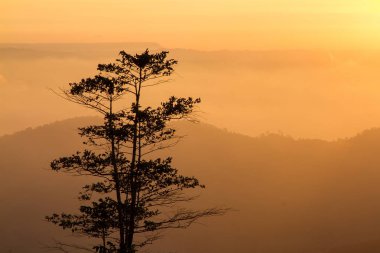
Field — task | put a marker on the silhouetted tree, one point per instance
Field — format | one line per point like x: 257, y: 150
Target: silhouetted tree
x: 135, y: 193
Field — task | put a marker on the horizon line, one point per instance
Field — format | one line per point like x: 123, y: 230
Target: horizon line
x: 158, y: 45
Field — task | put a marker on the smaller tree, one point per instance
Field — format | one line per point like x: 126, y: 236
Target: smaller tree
x: 135, y: 193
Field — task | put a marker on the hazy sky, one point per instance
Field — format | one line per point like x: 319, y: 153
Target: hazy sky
x: 197, y: 24
x: 305, y: 93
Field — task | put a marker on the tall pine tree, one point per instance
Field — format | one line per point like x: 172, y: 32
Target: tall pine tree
x: 132, y: 190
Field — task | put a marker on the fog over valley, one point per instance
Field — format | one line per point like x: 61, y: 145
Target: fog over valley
x: 302, y: 93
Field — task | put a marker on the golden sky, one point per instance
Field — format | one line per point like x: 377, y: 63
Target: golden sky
x: 197, y: 24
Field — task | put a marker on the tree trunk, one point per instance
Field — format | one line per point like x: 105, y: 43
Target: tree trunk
x: 117, y: 182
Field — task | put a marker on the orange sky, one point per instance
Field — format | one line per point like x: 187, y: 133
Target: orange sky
x: 197, y: 24
x: 338, y: 99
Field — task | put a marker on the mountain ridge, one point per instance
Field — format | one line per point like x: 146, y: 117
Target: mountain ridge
x: 372, y: 131
x: 301, y: 193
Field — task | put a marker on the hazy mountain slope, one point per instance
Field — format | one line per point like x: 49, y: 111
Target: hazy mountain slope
x: 29, y: 189
x: 291, y: 195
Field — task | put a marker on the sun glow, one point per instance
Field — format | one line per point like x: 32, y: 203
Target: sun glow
x: 374, y: 6
x: 199, y: 24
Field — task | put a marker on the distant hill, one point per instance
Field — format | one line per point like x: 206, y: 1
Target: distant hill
x: 68, y: 50
x: 305, y: 196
